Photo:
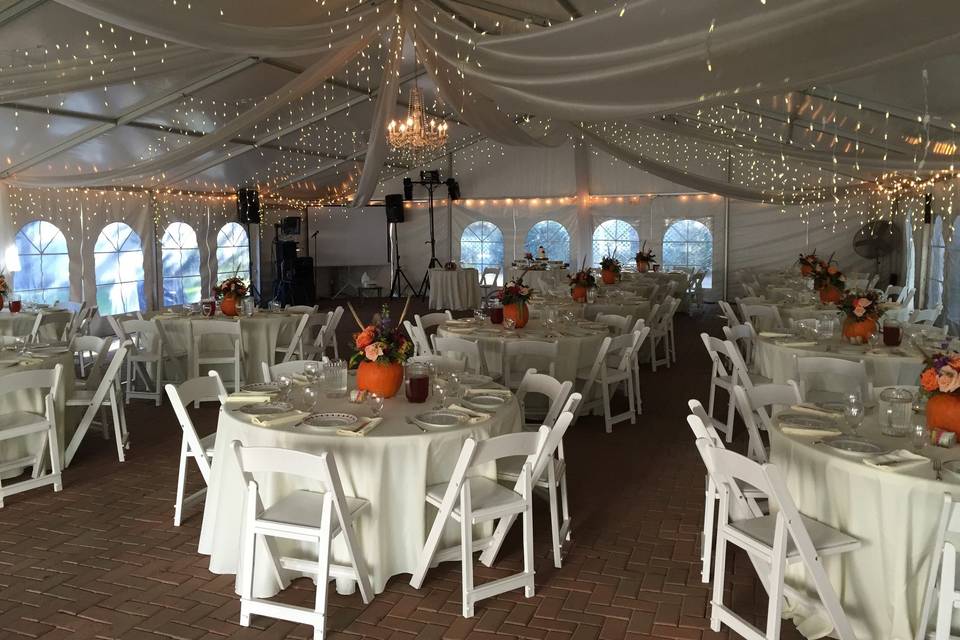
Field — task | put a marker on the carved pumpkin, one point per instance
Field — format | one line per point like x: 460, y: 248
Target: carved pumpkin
x: 943, y: 412
x: 518, y: 313
x: 862, y: 329
x: 381, y: 378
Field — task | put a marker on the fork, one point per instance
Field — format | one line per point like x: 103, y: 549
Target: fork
x: 414, y: 423
x: 937, y: 464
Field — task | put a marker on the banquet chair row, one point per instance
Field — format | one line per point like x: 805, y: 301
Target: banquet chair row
x: 615, y: 365
x: 662, y: 333
x: 772, y: 541
x: 728, y: 368
x: 926, y: 316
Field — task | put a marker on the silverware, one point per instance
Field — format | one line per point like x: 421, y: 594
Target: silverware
x: 937, y: 465
x: 414, y: 423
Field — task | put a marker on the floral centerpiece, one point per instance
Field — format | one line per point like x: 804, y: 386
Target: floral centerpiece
x: 514, y: 296
x: 382, y: 348
x: 528, y: 256
x: 580, y: 282
x: 228, y: 293
x: 861, y: 310
x: 829, y: 281
x: 940, y: 381
x: 609, y: 269
x: 450, y: 266
x: 808, y: 263
x: 644, y: 258
x: 4, y: 288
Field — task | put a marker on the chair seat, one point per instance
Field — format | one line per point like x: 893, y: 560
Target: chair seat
x: 488, y: 499
x: 826, y: 540
x: 209, y: 443
x: 304, y: 508
x: 83, y: 397
x: 19, y: 419
x: 509, y: 469
x: 217, y: 355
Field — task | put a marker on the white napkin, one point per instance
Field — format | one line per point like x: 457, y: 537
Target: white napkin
x: 30, y: 362
x: 808, y: 431
x: 242, y: 398
x: 811, y: 408
x: 476, y: 391
x: 798, y: 343
x: 775, y: 334
x: 285, y: 419
x: 896, y: 460
x: 371, y: 424
x: 476, y: 417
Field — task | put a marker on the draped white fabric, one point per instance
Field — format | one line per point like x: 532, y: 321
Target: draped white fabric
x: 153, y: 18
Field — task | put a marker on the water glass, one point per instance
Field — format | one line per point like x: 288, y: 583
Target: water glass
x: 285, y: 386
x: 335, y: 376
x: 310, y: 398
x: 249, y: 307
x: 853, y: 411
x: 275, y: 305
x: 439, y: 395
x: 312, y: 371
x: 375, y: 402
x: 919, y: 436
x: 454, y: 389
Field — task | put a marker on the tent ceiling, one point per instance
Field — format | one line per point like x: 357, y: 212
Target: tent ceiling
x: 315, y: 146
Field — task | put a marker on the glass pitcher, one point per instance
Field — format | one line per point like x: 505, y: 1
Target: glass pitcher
x: 416, y: 382
x: 896, y: 411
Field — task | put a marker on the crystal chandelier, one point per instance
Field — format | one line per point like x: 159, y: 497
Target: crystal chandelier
x: 417, y: 139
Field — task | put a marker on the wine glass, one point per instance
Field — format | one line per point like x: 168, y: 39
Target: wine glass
x: 853, y: 411
x: 376, y: 404
x: 310, y: 398
x: 312, y: 371
x: 285, y: 385
x: 439, y: 395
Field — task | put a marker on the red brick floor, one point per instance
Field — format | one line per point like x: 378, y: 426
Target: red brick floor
x: 102, y: 559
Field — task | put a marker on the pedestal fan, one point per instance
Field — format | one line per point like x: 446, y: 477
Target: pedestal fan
x: 876, y: 240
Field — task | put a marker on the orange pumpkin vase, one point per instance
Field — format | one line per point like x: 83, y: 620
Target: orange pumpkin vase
x: 579, y: 294
x: 381, y: 378
x: 943, y: 412
x: 608, y: 276
x: 643, y: 266
x: 862, y: 329
x: 830, y: 294
x: 518, y: 313
x: 228, y: 306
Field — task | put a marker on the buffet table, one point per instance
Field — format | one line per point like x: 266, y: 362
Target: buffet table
x: 455, y: 290
x: 391, y: 467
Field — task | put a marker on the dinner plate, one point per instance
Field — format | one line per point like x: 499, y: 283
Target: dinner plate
x: 329, y: 421
x: 851, y: 446
x: 266, y: 408
x: 951, y: 471
x: 485, y: 401
x: 797, y: 420
x: 261, y: 387
x: 459, y: 329
x: 473, y: 379
x: 440, y: 419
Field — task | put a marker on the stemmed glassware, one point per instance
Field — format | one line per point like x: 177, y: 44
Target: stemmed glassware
x: 285, y: 386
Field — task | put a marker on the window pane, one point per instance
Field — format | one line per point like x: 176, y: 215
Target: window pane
x: 615, y: 238
x: 44, y: 264
x: 118, y: 266
x: 552, y: 236
x: 688, y: 246
x: 481, y: 246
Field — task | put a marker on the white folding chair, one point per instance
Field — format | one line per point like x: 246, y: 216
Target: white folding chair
x: 541, y: 384
x: 926, y: 316
x: 107, y: 394
x: 443, y: 364
x: 421, y: 345
x: 943, y: 565
x: 753, y: 404
x: 644, y: 331
x: 728, y: 313
x: 430, y: 320
x: 744, y: 336
x: 623, y: 349
x: 905, y: 298
x: 488, y: 280
x: 824, y: 378
x: 463, y: 347
x: 288, y: 368
x: 892, y: 292
x: 44, y: 319
x: 72, y: 328
x: 301, y: 308
x: 720, y: 377
x: 295, y: 347
x: 660, y: 333
x: 531, y: 353
x: 762, y: 316
x: 148, y: 348
x: 195, y: 390
x: 772, y: 541
x: 314, y: 516
x: 327, y: 337
x: 19, y: 425
x: 873, y: 281
x: 472, y: 499
x: 90, y: 354
x: 206, y: 355
x: 619, y: 324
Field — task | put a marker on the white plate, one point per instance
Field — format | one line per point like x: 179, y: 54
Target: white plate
x: 261, y: 387
x: 266, y: 408
x: 485, y: 402
x: 797, y: 420
x: 440, y: 419
x: 473, y: 379
x: 855, y: 446
x: 329, y: 421
x: 951, y: 471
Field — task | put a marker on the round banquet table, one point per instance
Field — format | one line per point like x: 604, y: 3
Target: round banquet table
x: 796, y: 312
x: 391, y: 467
x: 637, y: 308
x: 578, y: 345
x: 20, y: 324
x: 893, y: 513
x: 32, y: 400
x: 456, y: 290
x: 886, y: 366
x: 260, y: 333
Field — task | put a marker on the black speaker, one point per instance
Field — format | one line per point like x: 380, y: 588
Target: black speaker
x: 303, y: 290
x: 407, y: 189
x: 394, y: 204
x: 287, y: 258
x: 248, y: 206
x: 453, y: 189
x: 290, y: 226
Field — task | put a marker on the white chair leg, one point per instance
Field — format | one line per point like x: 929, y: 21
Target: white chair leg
x: 466, y: 553
x: 730, y: 417
x: 706, y: 551
x: 713, y: 394
x: 181, y: 480
x: 528, y: 563
x: 554, y: 522
x: 247, y: 567
x: 945, y: 596
x: 607, y: 413
x: 55, y: 466
x: 117, y: 429
x: 564, y: 508
x: 653, y: 354
x: 719, y: 569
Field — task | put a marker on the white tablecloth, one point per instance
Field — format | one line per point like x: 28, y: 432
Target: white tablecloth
x: 575, y: 352
x: 894, y: 515
x: 21, y: 324
x: 454, y: 290
x: 638, y: 309
x: 800, y: 312
x: 260, y: 333
x: 543, y: 281
x: 776, y: 361
x: 390, y: 467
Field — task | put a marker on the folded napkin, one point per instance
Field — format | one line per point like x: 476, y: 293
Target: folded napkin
x: 370, y: 425
x: 807, y: 431
x: 242, y: 398
x: 775, y: 334
x: 798, y: 343
x: 30, y: 362
x: 299, y: 379
x: 476, y: 417
x: 811, y: 408
x: 286, y: 419
x: 503, y: 393
x: 896, y: 460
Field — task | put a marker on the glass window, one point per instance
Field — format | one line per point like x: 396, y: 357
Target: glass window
x: 688, y: 246
x: 481, y: 246
x: 118, y: 266
x: 233, y: 252
x: 615, y: 238
x: 181, y: 264
x: 938, y: 250
x: 552, y: 236
x: 44, y: 274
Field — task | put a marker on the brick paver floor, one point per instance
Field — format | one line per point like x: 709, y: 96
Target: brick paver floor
x: 102, y: 558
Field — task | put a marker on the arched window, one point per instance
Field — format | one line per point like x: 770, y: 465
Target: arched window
x: 44, y: 274
x: 118, y: 265
x: 181, y: 264
x: 688, y: 245
x: 938, y: 254
x: 481, y: 246
x: 615, y: 238
x: 233, y: 252
x: 552, y: 236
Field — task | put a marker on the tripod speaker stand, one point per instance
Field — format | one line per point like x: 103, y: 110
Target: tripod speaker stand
x: 396, y: 288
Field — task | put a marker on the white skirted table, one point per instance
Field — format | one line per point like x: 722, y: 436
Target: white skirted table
x: 543, y: 281
x: 455, y: 290
x: 260, y: 334
x: 893, y: 513
x: 886, y: 366
x: 21, y: 324
x: 636, y: 307
x: 390, y: 467
x: 578, y: 345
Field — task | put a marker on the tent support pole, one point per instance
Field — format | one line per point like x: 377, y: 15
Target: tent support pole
x: 726, y: 238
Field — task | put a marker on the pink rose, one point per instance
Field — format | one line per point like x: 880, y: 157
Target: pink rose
x: 948, y: 379
x: 373, y: 351
x: 859, y: 311
x: 863, y: 302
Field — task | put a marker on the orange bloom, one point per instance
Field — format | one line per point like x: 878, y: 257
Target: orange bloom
x: 928, y: 380
x: 365, y: 338
x: 831, y: 270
